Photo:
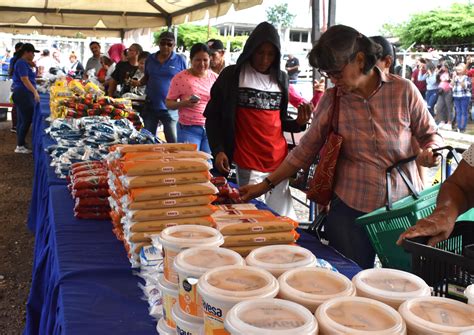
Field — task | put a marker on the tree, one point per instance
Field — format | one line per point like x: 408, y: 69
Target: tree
x: 439, y: 28
x: 279, y: 16
x: 189, y: 34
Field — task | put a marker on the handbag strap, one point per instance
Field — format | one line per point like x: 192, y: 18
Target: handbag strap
x: 334, y: 126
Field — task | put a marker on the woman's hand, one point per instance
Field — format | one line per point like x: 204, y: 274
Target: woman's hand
x: 249, y: 192
x: 135, y: 82
x: 427, y: 158
x: 222, y: 163
x: 304, y: 113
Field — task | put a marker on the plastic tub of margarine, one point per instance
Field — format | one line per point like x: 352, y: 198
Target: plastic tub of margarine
x: 469, y: 293
x: 174, y: 239
x: 280, y: 258
x: 221, y: 288
x: 437, y: 315
x: 191, y: 264
x: 270, y: 316
x: 169, y: 294
x: 311, y: 287
x: 163, y: 329
x: 358, y: 315
x: 390, y: 286
x: 185, y: 324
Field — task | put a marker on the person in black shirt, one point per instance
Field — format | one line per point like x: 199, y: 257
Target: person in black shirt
x: 124, y: 71
x: 292, y: 67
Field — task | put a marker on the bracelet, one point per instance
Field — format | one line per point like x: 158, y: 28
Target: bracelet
x: 269, y: 183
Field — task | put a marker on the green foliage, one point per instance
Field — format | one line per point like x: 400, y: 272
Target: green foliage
x: 439, y: 27
x: 278, y: 15
x: 189, y: 34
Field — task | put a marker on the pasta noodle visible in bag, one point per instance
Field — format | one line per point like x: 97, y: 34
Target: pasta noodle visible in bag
x: 136, y: 156
x: 236, y: 214
x: 256, y: 225
x: 124, y: 148
x: 172, y: 191
x: 176, y: 202
x: 260, y: 239
x: 161, y: 180
x: 157, y: 225
x: 144, y: 168
x: 166, y: 213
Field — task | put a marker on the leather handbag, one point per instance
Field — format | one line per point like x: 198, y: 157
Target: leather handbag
x: 321, y: 186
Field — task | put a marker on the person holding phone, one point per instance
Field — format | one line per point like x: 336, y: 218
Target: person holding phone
x: 189, y: 93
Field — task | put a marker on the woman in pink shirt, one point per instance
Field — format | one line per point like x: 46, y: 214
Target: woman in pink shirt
x: 189, y: 93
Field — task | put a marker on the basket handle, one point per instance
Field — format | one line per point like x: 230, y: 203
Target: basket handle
x: 398, y: 167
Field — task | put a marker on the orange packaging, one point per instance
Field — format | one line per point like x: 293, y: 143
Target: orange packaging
x: 158, y: 225
x: 163, y: 166
x: 168, y: 213
x: 162, y: 180
x: 125, y: 148
x: 175, y: 202
x: 236, y: 214
x: 133, y: 156
x: 171, y: 191
x: 142, y: 237
x: 256, y: 225
x: 260, y: 239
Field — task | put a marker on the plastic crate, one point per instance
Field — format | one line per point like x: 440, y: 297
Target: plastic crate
x: 385, y: 226
x: 448, y: 267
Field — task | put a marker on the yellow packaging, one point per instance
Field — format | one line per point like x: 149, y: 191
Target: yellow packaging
x: 158, y: 225
x: 255, y: 225
x: 172, y: 191
x: 162, y: 180
x: 176, y: 202
x: 260, y: 239
x: 167, y: 213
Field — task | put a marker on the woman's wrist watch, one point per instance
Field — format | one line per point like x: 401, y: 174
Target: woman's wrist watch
x: 269, y: 183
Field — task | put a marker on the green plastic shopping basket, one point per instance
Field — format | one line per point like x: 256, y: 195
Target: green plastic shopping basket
x: 384, y: 225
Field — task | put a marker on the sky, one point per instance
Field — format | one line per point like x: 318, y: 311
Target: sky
x: 367, y: 16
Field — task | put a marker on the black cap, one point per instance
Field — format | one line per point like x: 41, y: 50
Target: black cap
x: 18, y: 45
x: 215, y: 45
x: 28, y: 47
x: 166, y: 35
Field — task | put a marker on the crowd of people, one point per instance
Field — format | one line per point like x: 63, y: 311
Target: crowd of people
x: 239, y: 113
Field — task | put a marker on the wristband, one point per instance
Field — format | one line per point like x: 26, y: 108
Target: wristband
x: 269, y: 183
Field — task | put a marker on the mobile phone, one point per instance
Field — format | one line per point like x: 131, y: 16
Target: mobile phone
x: 194, y: 98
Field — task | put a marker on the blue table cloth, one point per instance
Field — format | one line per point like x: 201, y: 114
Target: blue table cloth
x: 83, y: 283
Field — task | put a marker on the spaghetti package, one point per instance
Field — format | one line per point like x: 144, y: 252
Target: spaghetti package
x: 163, y: 166
x: 162, y: 180
x: 175, y: 202
x: 255, y: 225
x: 172, y: 191
x: 158, y: 225
x: 166, y: 213
x: 260, y: 239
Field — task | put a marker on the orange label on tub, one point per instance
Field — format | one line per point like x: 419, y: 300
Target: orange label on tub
x: 168, y: 303
x: 213, y: 320
x: 190, y: 301
x: 168, y: 270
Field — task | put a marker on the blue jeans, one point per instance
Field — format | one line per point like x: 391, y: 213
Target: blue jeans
x: 25, y: 107
x: 194, y: 134
x: 347, y: 237
x: 169, y: 119
x: 461, y: 104
x: 431, y: 99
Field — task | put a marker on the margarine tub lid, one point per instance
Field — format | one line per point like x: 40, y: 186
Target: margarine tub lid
x: 197, y: 260
x: 315, y: 284
x: 358, y: 315
x: 390, y: 284
x: 236, y: 282
x: 185, y: 236
x: 270, y: 316
x: 281, y: 257
x: 163, y: 329
x: 167, y: 287
x: 441, y: 315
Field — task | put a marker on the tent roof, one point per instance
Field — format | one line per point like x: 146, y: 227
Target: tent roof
x: 107, y: 17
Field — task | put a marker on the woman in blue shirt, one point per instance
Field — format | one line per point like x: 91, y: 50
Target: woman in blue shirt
x: 25, y: 96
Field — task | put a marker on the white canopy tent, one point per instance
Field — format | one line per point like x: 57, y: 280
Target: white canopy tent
x: 106, y: 18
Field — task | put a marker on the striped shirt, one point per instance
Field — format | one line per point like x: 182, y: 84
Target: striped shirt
x: 377, y: 133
